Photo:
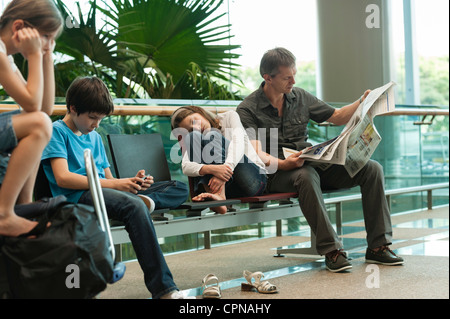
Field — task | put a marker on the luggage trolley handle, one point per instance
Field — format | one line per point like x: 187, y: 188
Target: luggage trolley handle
x: 99, y: 205
x: 97, y: 197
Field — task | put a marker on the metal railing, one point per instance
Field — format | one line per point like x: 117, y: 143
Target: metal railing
x: 156, y: 108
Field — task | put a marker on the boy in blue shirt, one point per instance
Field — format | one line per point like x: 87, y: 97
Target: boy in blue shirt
x: 88, y: 102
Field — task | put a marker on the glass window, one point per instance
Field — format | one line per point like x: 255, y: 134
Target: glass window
x: 431, y: 49
x: 260, y: 25
x: 432, y: 25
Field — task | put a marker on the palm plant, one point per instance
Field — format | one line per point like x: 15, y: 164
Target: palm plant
x: 164, y: 48
x: 91, y: 50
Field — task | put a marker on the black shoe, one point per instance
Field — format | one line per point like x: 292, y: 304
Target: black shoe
x: 383, y: 256
x: 337, y: 261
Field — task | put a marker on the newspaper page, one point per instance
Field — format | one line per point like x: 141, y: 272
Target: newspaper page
x: 359, y: 138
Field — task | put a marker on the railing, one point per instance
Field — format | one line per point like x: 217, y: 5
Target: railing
x: 156, y: 108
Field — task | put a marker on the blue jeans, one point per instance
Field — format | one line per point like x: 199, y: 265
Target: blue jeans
x: 8, y: 140
x: 212, y: 149
x: 167, y: 194
x: 132, y: 211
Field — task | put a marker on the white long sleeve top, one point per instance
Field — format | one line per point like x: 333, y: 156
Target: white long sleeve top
x: 10, y: 58
x: 232, y: 129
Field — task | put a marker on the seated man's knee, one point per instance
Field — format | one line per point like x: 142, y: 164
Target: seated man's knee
x: 374, y: 169
x: 306, y: 176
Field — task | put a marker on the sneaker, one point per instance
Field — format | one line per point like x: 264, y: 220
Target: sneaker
x: 383, y: 256
x: 148, y: 202
x: 337, y: 261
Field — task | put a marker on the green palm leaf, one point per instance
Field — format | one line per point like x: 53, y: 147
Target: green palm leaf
x: 150, y: 45
x: 171, y: 34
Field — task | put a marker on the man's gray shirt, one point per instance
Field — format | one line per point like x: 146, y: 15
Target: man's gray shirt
x: 258, y: 116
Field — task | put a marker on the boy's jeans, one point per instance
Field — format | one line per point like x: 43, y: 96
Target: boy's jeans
x: 132, y: 211
x: 167, y: 194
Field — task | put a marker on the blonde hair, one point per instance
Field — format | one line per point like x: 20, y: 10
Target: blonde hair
x: 40, y: 14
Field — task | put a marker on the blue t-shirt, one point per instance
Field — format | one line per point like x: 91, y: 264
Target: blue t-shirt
x: 65, y: 144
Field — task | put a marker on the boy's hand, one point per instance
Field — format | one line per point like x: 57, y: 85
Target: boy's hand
x: 131, y: 185
x: 144, y: 181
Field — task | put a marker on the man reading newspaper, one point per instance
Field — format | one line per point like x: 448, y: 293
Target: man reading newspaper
x: 359, y: 138
x: 278, y: 114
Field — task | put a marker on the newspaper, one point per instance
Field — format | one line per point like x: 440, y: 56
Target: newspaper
x: 358, y: 139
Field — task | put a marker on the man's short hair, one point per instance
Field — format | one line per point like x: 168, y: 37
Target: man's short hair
x: 273, y: 59
x: 89, y: 94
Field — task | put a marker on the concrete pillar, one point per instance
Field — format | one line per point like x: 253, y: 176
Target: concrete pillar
x: 354, y: 50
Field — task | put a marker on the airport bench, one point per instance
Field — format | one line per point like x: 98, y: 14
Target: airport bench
x: 131, y: 153
x: 199, y: 219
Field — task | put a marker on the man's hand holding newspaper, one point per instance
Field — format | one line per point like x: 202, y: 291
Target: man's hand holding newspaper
x: 359, y: 138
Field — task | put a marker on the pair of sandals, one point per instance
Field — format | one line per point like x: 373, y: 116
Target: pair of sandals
x: 211, y: 288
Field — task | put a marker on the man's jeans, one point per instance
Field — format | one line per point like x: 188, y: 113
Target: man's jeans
x: 309, y: 181
x: 132, y: 211
x: 212, y: 149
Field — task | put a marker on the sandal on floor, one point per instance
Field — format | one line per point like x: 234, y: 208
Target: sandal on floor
x: 213, y: 290
x: 264, y: 287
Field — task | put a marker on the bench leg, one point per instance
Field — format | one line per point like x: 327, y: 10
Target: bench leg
x: 118, y: 249
x: 197, y: 212
x: 307, y: 251
x: 279, y: 228
x: 339, y: 218
x: 430, y: 199
x: 207, y: 239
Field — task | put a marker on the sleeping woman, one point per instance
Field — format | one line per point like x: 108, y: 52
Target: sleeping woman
x: 218, y: 155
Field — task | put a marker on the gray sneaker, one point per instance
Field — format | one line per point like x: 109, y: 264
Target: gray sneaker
x: 337, y: 261
x: 383, y: 256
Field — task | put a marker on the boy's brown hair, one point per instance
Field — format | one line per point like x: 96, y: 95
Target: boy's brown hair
x: 89, y: 94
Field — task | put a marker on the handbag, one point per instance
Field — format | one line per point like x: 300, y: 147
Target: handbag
x: 70, y: 258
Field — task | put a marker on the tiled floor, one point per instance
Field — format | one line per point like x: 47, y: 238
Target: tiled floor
x: 420, y: 237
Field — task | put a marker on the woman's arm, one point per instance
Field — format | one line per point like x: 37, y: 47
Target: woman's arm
x: 48, y: 100
x: 28, y: 94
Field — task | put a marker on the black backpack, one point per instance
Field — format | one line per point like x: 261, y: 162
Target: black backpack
x: 69, y: 259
